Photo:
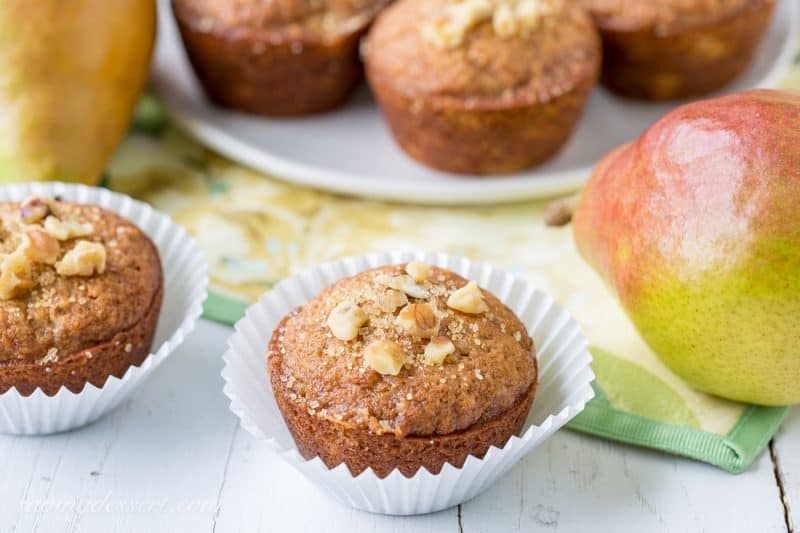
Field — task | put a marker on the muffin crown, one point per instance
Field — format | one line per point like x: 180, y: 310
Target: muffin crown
x: 71, y: 276
x: 406, y: 349
x: 307, y: 17
x: 662, y: 15
x: 483, y: 50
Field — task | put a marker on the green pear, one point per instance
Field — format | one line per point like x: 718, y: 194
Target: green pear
x: 696, y: 228
x: 71, y: 72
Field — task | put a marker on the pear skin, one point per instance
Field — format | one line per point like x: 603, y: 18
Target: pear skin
x: 70, y: 75
x: 696, y: 227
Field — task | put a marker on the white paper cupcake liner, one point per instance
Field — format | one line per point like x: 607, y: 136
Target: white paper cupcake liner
x: 185, y: 286
x: 564, y: 387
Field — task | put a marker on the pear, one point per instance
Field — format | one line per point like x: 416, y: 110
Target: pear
x: 70, y: 75
x: 696, y: 228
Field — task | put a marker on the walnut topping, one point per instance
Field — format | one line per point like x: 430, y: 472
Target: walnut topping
x: 468, y: 299
x: 33, y: 210
x: 504, y: 22
x: 418, y: 271
x: 437, y: 350
x: 391, y: 299
x: 66, y: 229
x: 16, y: 274
x: 50, y: 357
x: 84, y: 259
x: 405, y: 284
x: 419, y: 320
x: 385, y: 357
x: 509, y: 18
x: 345, y: 320
x: 41, y: 247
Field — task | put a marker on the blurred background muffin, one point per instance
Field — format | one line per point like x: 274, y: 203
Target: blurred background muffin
x: 281, y: 58
x: 482, y: 87
x: 671, y: 49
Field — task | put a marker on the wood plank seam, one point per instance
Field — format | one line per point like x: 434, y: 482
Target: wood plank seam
x: 224, y: 478
x: 780, y: 481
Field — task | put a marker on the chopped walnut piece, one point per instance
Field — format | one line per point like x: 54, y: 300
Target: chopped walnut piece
x: 508, y: 19
x: 405, y: 284
x: 345, y: 320
x: 418, y: 271
x: 385, y: 357
x: 33, y: 210
x: 391, y: 299
x: 66, y: 229
x: 41, y: 247
x: 84, y: 259
x: 419, y: 320
x: 16, y: 274
x: 50, y: 357
x: 437, y: 350
x: 503, y: 21
x: 468, y: 299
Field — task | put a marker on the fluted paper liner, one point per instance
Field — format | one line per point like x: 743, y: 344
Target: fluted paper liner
x: 564, y: 387
x: 185, y: 285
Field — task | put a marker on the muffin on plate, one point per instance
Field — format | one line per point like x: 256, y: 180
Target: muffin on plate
x: 80, y: 294
x: 671, y: 49
x: 402, y: 367
x: 276, y: 58
x: 482, y: 86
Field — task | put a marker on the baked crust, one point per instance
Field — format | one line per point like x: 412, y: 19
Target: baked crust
x: 491, y: 105
x: 454, y: 136
x: 69, y: 330
x: 276, y: 70
x: 341, y: 407
x: 360, y: 449
x: 681, y: 59
x: 94, y: 364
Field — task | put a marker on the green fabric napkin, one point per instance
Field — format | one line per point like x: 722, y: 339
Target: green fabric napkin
x: 256, y: 230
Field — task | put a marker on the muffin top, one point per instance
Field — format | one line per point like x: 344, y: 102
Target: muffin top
x: 294, y: 18
x: 71, y: 277
x: 486, y: 51
x: 662, y: 15
x: 407, y: 349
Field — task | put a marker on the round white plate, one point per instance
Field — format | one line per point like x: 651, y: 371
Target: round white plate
x: 351, y: 151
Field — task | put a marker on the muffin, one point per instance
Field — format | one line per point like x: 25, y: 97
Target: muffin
x: 80, y: 294
x: 671, y: 49
x: 402, y: 367
x: 482, y: 86
x: 276, y: 58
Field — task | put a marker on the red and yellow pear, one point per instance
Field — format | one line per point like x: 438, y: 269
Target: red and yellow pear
x: 696, y: 227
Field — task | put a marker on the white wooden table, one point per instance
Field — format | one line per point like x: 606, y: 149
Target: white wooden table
x: 173, y: 459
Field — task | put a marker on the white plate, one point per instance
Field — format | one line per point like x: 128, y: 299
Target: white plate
x: 350, y: 150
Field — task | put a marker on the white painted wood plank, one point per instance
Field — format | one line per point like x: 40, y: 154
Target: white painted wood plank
x: 787, y: 450
x: 156, y: 464
x: 262, y: 493
x: 576, y: 483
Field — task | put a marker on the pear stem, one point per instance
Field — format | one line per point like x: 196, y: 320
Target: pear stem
x: 558, y: 213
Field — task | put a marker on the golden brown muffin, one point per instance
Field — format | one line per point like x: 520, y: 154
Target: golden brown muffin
x: 388, y: 370
x: 278, y: 58
x: 670, y: 49
x: 80, y: 294
x: 482, y: 86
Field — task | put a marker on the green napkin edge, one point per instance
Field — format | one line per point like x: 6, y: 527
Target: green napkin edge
x: 734, y: 452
